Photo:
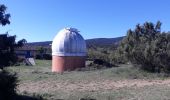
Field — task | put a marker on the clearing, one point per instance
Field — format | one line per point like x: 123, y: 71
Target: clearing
x: 118, y: 83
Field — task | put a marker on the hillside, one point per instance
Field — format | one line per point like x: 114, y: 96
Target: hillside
x: 44, y: 43
x: 103, y: 42
x: 99, y: 42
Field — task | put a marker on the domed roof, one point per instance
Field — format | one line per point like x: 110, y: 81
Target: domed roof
x: 68, y: 42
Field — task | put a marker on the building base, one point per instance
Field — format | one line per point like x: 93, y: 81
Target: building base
x: 67, y: 63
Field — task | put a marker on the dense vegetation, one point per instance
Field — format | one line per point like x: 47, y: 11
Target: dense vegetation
x: 7, y: 46
x: 7, y: 81
x: 7, y: 43
x: 148, y: 47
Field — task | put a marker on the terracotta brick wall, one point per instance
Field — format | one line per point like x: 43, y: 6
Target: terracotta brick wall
x: 63, y: 63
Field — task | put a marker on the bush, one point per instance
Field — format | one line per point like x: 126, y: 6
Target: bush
x: 100, y: 57
x: 38, y: 56
x: 44, y: 56
x: 47, y: 56
x: 8, y: 83
x: 7, y: 59
x: 148, y: 47
x: 102, y: 62
x: 7, y: 49
x: 118, y: 57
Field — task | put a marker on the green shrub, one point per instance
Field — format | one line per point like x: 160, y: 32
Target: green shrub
x: 44, y: 56
x: 8, y: 83
x: 100, y: 56
x: 47, y: 56
x: 118, y: 57
x: 148, y: 47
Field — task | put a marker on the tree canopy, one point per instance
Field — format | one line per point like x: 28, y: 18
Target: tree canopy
x: 7, y: 42
x: 148, y: 47
x: 4, y: 17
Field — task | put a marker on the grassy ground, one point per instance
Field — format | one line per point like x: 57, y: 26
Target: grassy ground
x: 118, y: 83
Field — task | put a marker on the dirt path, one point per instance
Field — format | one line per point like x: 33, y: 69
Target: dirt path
x: 50, y: 86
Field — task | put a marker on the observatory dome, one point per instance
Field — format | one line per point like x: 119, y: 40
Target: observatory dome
x: 68, y: 42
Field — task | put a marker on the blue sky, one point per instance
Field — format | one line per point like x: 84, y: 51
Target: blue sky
x: 40, y: 20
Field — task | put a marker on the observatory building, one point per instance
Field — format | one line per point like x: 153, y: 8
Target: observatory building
x: 68, y: 50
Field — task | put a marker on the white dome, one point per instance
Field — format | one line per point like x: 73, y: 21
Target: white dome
x: 68, y: 42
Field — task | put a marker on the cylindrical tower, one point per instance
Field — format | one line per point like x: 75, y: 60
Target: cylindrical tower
x: 68, y: 50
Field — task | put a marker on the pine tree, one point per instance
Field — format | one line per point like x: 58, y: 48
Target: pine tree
x: 148, y: 47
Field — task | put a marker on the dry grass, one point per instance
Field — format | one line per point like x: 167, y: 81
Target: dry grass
x: 120, y: 83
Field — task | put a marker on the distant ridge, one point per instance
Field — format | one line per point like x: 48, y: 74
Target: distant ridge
x: 103, y: 42
x: 99, y: 42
